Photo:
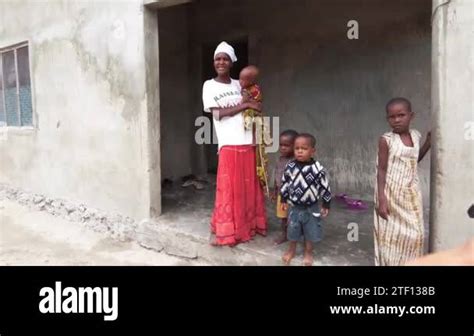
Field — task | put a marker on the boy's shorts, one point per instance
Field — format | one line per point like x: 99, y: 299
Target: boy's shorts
x: 304, y: 223
x: 279, y: 212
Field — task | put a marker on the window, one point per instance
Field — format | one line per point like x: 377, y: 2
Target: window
x: 16, y: 108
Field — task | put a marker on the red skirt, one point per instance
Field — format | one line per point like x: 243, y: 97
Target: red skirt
x: 239, y: 211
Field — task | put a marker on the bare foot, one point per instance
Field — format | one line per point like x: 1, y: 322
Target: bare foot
x: 308, y: 258
x: 288, y: 256
x: 290, y: 253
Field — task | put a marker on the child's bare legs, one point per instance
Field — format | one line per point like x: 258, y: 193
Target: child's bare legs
x: 282, y: 238
x: 308, y: 253
x: 290, y: 253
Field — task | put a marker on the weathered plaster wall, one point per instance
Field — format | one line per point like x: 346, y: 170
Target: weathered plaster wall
x: 89, y: 99
x: 453, y: 112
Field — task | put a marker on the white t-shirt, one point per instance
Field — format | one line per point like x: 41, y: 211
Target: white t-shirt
x: 229, y: 130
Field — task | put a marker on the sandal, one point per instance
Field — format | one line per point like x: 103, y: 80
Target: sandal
x: 198, y: 185
x: 356, y: 204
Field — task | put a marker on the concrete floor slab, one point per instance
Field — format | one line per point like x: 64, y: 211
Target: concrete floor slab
x: 189, y: 210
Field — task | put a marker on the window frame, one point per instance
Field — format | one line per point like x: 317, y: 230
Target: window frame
x: 14, y: 48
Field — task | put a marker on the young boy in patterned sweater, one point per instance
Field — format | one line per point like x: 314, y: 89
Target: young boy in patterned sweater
x: 304, y: 181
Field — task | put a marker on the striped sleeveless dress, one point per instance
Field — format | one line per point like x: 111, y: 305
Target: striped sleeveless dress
x: 400, y: 238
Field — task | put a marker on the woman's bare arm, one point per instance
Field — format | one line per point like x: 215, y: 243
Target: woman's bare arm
x: 220, y: 113
x: 425, y: 148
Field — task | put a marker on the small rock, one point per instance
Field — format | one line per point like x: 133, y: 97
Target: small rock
x: 62, y: 212
x: 74, y: 216
x: 96, y: 226
x: 116, y: 218
x: 149, y: 242
x: 48, y: 207
x: 129, y: 221
x: 24, y: 198
x: 90, y: 213
x: 37, y: 199
x: 70, y: 207
x: 55, y: 212
x: 57, y: 204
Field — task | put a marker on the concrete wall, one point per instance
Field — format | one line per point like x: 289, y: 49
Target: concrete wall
x: 453, y: 111
x: 90, y: 103
x: 318, y: 81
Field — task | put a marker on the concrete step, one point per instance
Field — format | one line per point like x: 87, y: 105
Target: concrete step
x: 161, y: 237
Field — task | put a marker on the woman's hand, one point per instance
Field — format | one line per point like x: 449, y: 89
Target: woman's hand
x: 383, y: 209
x: 284, y: 207
x: 254, y: 105
x: 246, y: 98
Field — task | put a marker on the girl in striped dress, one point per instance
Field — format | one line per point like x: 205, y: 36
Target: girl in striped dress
x: 398, y: 218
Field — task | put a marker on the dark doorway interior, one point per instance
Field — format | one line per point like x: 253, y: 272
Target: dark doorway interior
x: 241, y: 50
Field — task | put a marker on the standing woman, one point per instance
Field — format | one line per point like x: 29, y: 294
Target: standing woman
x: 239, y: 210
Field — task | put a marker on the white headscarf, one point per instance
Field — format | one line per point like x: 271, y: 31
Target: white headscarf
x: 226, y: 48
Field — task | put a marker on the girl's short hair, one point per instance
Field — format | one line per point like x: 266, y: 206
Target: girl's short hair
x: 398, y: 100
x: 292, y: 134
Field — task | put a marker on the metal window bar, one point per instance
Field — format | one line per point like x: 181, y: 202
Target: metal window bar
x: 17, y: 88
x: 3, y: 90
x: 33, y: 116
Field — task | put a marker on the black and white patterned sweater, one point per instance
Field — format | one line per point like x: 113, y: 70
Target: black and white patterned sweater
x: 303, y: 183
